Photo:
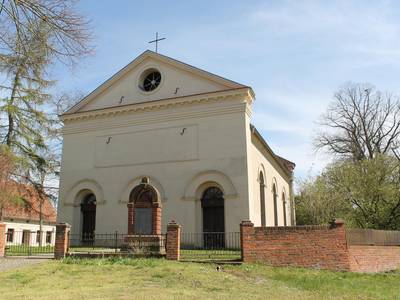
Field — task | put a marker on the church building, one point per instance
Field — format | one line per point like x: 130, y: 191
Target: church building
x: 162, y: 140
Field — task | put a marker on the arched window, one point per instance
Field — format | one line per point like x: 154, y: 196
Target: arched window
x: 275, y: 196
x: 284, y: 209
x: 212, y: 204
x: 262, y: 199
x: 88, y: 209
x: 144, y: 210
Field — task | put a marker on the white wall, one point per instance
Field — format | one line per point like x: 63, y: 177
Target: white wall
x: 19, y: 227
x: 262, y: 160
x: 172, y: 78
x: 214, y: 140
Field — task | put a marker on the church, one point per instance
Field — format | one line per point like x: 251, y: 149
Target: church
x: 162, y: 140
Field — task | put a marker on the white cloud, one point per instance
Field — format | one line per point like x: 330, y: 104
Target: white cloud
x: 368, y: 29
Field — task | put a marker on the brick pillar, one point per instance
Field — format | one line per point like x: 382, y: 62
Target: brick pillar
x: 173, y: 241
x: 2, y: 239
x: 339, y: 226
x: 62, y: 240
x: 246, y: 232
x: 156, y: 217
x: 131, y: 217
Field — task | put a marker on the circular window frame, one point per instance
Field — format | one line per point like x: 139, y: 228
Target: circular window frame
x: 142, y: 75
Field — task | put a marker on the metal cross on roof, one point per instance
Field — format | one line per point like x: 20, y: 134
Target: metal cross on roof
x: 156, y: 41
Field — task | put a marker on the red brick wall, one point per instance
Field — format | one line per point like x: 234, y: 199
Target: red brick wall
x: 62, y: 240
x: 173, y: 241
x: 374, y: 258
x: 323, y: 247
x: 2, y: 239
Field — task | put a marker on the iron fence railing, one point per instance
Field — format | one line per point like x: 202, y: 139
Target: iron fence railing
x: 358, y: 236
x: 28, y: 243
x: 116, y: 243
x: 210, y: 246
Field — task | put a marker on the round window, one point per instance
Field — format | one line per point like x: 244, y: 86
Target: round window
x: 150, y: 80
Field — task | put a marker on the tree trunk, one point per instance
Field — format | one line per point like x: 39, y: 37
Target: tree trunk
x: 10, y: 130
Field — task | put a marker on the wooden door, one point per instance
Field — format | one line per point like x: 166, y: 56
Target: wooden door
x: 88, y: 209
x: 213, y: 218
x: 143, y: 221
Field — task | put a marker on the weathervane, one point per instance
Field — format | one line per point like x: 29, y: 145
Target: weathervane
x: 156, y: 41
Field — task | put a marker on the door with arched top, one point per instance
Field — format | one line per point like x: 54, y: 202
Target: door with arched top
x: 213, y: 209
x: 88, y: 209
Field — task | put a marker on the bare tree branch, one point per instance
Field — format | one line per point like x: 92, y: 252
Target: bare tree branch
x: 360, y: 123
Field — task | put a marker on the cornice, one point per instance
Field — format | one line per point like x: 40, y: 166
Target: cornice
x: 244, y: 93
x: 144, y: 119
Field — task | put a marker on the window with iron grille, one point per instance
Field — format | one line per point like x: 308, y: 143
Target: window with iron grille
x: 10, y: 235
x: 38, y: 237
x: 48, y: 237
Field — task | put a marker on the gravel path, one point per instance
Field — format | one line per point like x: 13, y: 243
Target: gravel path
x: 18, y: 262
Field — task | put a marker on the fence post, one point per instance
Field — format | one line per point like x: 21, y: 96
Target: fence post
x: 62, y: 240
x: 173, y: 241
x: 2, y: 239
x: 246, y: 230
x: 116, y: 241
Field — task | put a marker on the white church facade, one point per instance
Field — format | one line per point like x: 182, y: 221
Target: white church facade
x: 162, y: 140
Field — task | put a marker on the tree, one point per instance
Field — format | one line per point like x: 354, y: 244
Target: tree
x: 69, y: 32
x: 361, y: 129
x: 365, y: 193
x: 33, y: 33
x: 319, y: 202
x: 25, y: 86
x: 360, y: 123
x: 7, y: 168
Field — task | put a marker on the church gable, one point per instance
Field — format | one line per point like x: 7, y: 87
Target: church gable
x: 150, y: 77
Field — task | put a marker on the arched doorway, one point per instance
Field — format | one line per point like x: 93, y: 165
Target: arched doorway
x: 212, y: 204
x: 88, y: 210
x: 144, y: 210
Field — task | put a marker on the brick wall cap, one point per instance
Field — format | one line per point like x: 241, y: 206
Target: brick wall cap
x: 338, y: 223
x: 173, y: 223
x: 247, y: 223
x: 63, y: 225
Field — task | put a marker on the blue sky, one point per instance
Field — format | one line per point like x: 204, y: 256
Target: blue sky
x: 295, y: 54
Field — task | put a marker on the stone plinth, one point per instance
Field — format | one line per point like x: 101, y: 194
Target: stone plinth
x: 144, y: 244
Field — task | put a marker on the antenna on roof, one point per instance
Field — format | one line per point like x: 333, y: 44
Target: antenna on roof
x: 156, y: 41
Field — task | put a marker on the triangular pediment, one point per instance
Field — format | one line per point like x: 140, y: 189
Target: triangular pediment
x: 177, y: 80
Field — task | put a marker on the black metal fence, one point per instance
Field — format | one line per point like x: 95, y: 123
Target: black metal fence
x: 29, y: 243
x: 210, y: 246
x: 373, y: 237
x: 122, y: 244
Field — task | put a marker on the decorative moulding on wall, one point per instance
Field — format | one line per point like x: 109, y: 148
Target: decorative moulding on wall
x: 126, y: 120
x: 161, y: 104
x: 203, y: 180
x: 123, y: 149
x: 261, y: 169
x: 80, y: 189
x: 135, y: 182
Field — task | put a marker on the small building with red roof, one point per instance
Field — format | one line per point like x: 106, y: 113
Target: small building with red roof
x: 22, y: 218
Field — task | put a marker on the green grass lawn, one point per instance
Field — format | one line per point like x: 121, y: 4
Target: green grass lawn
x: 24, y: 250
x: 204, y: 254
x: 161, y: 279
